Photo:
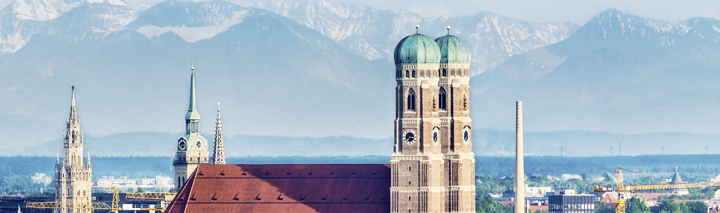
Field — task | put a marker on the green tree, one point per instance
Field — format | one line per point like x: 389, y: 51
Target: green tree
x: 668, y: 206
x: 140, y: 190
x: 696, y: 207
x: 636, y: 205
x: 602, y: 207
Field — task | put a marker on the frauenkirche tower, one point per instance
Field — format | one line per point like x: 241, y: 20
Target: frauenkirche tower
x: 433, y: 166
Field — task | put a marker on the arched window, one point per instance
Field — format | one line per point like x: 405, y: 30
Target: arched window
x: 444, y: 73
x: 452, y: 72
x: 443, y: 99
x: 422, y: 74
x: 411, y: 99
x: 413, y: 73
x: 407, y: 74
x: 73, y: 158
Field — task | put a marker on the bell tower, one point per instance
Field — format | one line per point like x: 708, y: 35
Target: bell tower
x: 192, y: 148
x: 433, y: 166
x: 417, y: 160
x: 456, y: 125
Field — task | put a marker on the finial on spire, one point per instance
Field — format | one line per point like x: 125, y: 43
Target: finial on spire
x: 192, y: 64
x: 218, y: 106
x: 448, y: 28
x: 417, y: 28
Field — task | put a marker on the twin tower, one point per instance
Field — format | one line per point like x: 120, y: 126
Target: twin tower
x: 433, y: 166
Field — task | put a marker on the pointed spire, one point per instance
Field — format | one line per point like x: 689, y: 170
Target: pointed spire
x: 192, y: 113
x: 88, y: 162
x: 73, y: 113
x: 58, y: 157
x: 192, y: 90
x: 219, y: 155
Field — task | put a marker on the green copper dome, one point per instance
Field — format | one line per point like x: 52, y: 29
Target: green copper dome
x: 453, y: 50
x: 417, y: 48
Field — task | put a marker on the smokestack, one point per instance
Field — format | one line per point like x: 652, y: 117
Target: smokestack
x: 519, y: 165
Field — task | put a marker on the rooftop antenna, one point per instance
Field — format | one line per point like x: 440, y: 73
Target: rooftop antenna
x: 417, y: 28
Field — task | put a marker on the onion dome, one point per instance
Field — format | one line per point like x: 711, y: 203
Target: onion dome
x: 453, y: 49
x: 417, y: 48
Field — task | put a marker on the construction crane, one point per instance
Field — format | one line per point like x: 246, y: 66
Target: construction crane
x: 622, y: 189
x: 167, y: 196
x: 113, y: 207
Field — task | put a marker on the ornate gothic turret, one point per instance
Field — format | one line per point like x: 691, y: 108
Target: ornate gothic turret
x: 219, y: 156
x: 192, y: 148
x: 73, y: 179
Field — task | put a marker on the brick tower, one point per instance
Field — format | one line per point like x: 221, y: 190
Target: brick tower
x: 432, y: 163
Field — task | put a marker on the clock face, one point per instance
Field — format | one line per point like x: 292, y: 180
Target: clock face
x: 198, y: 144
x: 409, y: 137
x: 181, y: 145
x: 435, y: 136
x: 466, y: 135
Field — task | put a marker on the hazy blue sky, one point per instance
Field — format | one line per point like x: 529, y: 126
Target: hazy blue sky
x: 529, y: 10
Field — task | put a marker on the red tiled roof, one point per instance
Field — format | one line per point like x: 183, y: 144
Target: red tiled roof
x: 652, y: 196
x: 542, y: 208
x: 507, y: 202
x: 286, y: 188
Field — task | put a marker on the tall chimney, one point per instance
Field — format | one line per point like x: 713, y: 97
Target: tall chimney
x: 519, y: 165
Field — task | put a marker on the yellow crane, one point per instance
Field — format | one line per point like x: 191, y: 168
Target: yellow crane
x: 622, y: 189
x: 113, y: 207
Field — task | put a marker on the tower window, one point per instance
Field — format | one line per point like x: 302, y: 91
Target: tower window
x: 407, y: 73
x: 413, y: 73
x: 452, y: 72
x: 444, y: 72
x: 411, y: 100
x: 443, y: 99
x: 422, y: 74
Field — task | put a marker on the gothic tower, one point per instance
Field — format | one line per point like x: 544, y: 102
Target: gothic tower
x: 456, y: 126
x: 432, y: 162
x: 417, y: 161
x: 73, y: 178
x: 219, y: 155
x: 192, y: 148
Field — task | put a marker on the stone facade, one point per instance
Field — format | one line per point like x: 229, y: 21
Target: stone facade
x: 73, y: 178
x: 219, y: 156
x: 433, y: 166
x: 192, y: 148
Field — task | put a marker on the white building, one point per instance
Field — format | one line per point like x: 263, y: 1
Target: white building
x: 158, y: 181
x: 41, y: 178
x: 111, y: 181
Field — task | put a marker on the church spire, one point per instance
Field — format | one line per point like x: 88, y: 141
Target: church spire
x: 73, y: 113
x: 219, y: 157
x: 192, y: 117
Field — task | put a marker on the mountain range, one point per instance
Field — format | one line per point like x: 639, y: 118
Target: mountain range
x: 314, y: 69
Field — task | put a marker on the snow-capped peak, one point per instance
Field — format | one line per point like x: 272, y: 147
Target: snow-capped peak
x: 41, y: 10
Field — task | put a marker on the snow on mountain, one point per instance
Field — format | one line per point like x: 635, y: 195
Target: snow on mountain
x: 373, y: 32
x: 24, y: 18
x: 41, y: 10
x: 618, y: 73
x: 192, y: 21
